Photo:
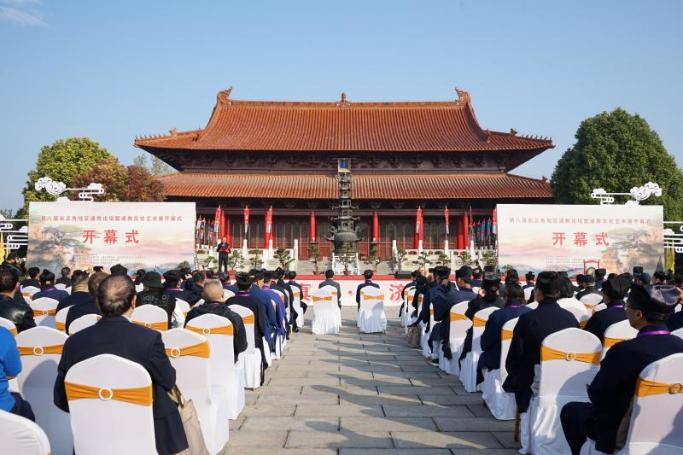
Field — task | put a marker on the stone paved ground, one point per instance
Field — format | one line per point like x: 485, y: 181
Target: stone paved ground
x: 363, y: 394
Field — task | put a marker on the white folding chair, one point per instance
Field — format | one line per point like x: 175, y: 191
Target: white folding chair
x: 251, y: 358
x: 9, y: 325
x: 408, y: 296
x: 297, y: 306
x: 615, y: 333
x: 655, y: 426
x: 60, y: 286
x: 60, y: 319
x: 20, y: 436
x: 180, y: 312
x: 139, y: 288
x: 83, y: 322
x: 40, y: 349
x: 468, y: 369
x: 459, y: 325
x: 326, y: 314
x: 105, y: 392
x: 424, y: 338
x: 581, y: 314
x: 533, y: 305
x: 150, y: 316
x: 189, y: 354
x: 527, y: 293
x: 371, y: 316
x: 227, y: 377
x: 28, y: 291
x: 285, y: 323
x: 44, y: 311
x: 591, y: 300
x: 501, y: 403
x: 570, y: 359
x: 227, y: 293
x: 68, y: 289
x: 678, y: 332
x: 599, y: 307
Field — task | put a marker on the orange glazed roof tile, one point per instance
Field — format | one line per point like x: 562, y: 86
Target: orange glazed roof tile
x: 365, y: 186
x: 449, y: 126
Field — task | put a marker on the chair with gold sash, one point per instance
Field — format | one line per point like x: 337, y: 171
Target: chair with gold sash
x: 501, y: 403
x: 106, y: 392
x: 408, y: 296
x: 582, y: 315
x: 459, y: 325
x: 533, y: 305
x: 227, y: 377
x: 615, y: 333
x: 527, y: 293
x: 83, y: 322
x: 284, y: 299
x: 44, y: 311
x: 326, y: 314
x: 424, y: 338
x: 297, y: 306
x: 251, y: 358
x: 60, y: 319
x: 227, y: 293
x: 9, y: 325
x: 150, y: 316
x: 678, y: 332
x: 655, y: 426
x: 180, y: 312
x: 371, y: 315
x: 28, y: 292
x: 40, y: 349
x: 20, y: 436
x: 570, y: 359
x: 599, y: 307
x: 468, y: 366
x: 591, y: 300
x: 189, y: 354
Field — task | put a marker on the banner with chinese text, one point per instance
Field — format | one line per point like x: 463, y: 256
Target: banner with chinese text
x: 575, y: 237
x: 139, y: 235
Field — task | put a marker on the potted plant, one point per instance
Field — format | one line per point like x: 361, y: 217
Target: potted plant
x: 255, y: 260
x: 315, y: 257
x: 282, y: 256
x: 373, y: 258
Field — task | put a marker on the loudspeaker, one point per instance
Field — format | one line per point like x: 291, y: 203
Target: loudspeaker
x: 402, y: 275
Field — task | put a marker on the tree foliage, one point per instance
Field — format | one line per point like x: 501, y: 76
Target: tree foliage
x: 155, y: 166
x: 617, y: 151
x: 121, y: 183
x: 62, y: 161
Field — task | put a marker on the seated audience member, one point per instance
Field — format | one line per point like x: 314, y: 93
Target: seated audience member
x: 195, y: 284
x: 153, y: 294
x: 279, y: 284
x: 329, y: 274
x: 600, y: 278
x: 86, y: 305
x: 421, y: 287
x: 476, y: 278
x: 613, y: 292
x: 227, y: 284
x: 513, y: 296
x: 291, y: 281
x: 427, y: 307
x: 567, y: 299
x: 443, y: 299
x: 11, y: 262
x: 10, y: 367
x: 65, y: 277
x: 32, y: 279
x: 172, y: 285
x: 139, y: 275
x: 658, y: 277
x: 613, y: 388
x: 214, y: 304
x: 280, y: 308
x: 530, y: 278
x: 118, y: 270
x: 19, y: 313
x: 48, y: 289
x: 258, y: 280
x: 588, y: 287
x: 115, y: 334
x: 529, y: 333
x: 490, y: 298
x: 79, y: 290
x: 97, y: 268
x: 675, y: 322
x: 367, y: 275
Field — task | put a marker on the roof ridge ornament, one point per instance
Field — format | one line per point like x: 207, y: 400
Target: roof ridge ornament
x: 463, y: 95
x: 343, y: 99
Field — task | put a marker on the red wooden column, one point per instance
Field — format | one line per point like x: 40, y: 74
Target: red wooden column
x: 460, y: 239
x: 311, y: 227
x: 375, y: 227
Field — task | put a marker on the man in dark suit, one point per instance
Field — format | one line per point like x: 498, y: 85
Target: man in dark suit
x: 529, y: 333
x: 491, y: 298
x: 84, y: 297
x: 329, y: 274
x: 172, y: 286
x: 443, y: 304
x: 613, y: 292
x: 368, y: 282
x: 115, y: 334
x: 32, y: 279
x: 614, y: 387
x: 10, y: 308
x: 588, y: 286
x: 223, y: 249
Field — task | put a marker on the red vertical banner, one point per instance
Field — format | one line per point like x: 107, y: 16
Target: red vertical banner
x: 246, y: 223
x: 222, y: 221
x: 418, y: 228
x: 375, y: 227
x: 268, y: 234
x: 311, y: 227
x: 460, y: 238
x: 217, y: 224
x: 466, y: 229
x: 226, y: 230
x: 494, y: 229
x: 446, y: 216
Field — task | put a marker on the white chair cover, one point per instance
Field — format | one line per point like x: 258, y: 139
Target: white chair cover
x: 227, y: 293
x: 326, y: 314
x: 655, y: 426
x: 501, y: 403
x: 193, y: 380
x: 527, y: 293
x: 40, y: 349
x: 468, y: 370
x: 459, y: 325
x: 83, y: 322
x: 44, y: 311
x: 60, y: 319
x: 408, y: 296
x: 279, y: 338
x: 533, y: 305
x: 283, y: 339
x: 28, y: 291
x: 678, y: 332
x: 180, y: 312
x: 561, y: 378
x: 139, y: 288
x: 599, y: 307
x: 297, y: 306
x: 591, y: 300
x: 251, y: 358
x: 9, y: 325
x: 424, y: 339
x: 581, y: 314
x: 227, y: 377
x: 20, y: 436
x: 619, y: 331
x: 150, y: 316
x: 371, y: 316
x: 60, y: 286
x: 92, y: 419
x: 68, y: 289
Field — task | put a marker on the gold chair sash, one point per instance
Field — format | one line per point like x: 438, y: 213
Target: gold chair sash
x: 457, y: 317
x: 13, y: 331
x: 61, y: 326
x: 548, y: 353
x: 195, y: 350
x: 420, y: 298
x: 645, y: 388
x: 133, y: 395
x: 478, y: 322
x: 50, y: 312
x: 583, y: 323
x: 315, y: 298
x: 506, y: 335
x: 223, y: 330
x: 609, y: 342
x: 373, y: 297
x: 248, y: 319
x: 40, y: 350
x: 163, y: 326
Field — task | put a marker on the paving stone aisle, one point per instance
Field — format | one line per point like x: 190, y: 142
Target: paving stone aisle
x: 363, y: 394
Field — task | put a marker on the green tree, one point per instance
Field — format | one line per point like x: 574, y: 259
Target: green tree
x: 62, y: 161
x: 617, y: 151
x: 155, y: 166
x: 111, y: 174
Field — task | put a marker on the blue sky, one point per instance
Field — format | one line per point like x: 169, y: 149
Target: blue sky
x: 114, y: 70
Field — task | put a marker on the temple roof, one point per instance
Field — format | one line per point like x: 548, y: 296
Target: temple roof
x: 496, y: 185
x: 446, y: 126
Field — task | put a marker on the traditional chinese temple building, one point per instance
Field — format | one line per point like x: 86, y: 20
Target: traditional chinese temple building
x: 403, y: 156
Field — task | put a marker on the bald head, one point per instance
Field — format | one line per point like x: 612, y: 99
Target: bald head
x: 115, y: 295
x: 213, y: 291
